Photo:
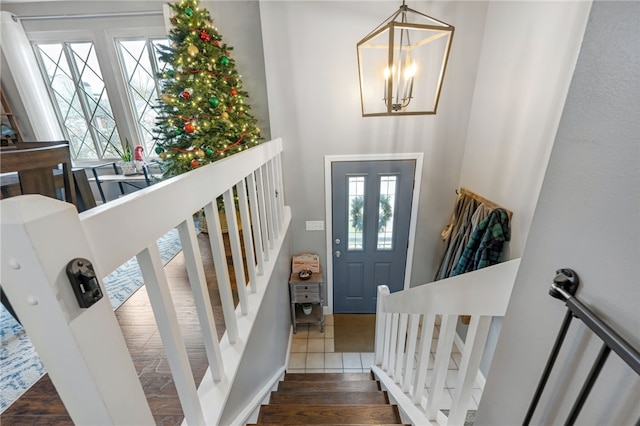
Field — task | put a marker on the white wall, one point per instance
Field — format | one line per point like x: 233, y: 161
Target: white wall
x: 314, y: 105
x: 529, y: 52
x: 588, y: 219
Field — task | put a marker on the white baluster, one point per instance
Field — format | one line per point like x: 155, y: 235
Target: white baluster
x: 387, y: 341
x: 266, y: 196
x: 275, y: 191
x: 383, y: 290
x: 400, y: 354
x: 236, y: 250
x: 428, y: 323
x: 443, y: 353
x: 198, y: 282
x: 262, y: 209
x: 255, y: 221
x: 471, y: 356
x: 278, y: 173
x: 165, y: 314
x: 243, y: 205
x: 222, y: 272
x: 412, y: 337
x: 392, y: 344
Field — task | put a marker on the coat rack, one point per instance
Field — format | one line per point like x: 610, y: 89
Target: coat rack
x: 482, y: 200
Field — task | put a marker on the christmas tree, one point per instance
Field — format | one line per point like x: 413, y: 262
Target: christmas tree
x: 203, y: 117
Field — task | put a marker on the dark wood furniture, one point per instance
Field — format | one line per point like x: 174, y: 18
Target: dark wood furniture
x: 34, y: 170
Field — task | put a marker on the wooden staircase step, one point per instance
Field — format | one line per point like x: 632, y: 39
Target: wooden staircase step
x: 342, y: 377
x: 329, y: 398
x: 329, y: 386
x: 328, y: 414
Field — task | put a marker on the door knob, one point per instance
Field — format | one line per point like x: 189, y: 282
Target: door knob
x: 338, y: 253
x: 337, y: 240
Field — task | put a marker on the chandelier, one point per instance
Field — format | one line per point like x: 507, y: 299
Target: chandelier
x: 402, y: 63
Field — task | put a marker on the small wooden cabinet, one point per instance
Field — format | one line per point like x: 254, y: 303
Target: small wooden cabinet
x: 307, y: 291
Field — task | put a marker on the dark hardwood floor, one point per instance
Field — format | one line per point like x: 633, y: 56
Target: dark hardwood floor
x: 41, y: 405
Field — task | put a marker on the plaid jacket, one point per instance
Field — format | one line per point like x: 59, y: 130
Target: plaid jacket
x: 485, y: 244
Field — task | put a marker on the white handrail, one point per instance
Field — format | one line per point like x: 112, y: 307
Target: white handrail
x: 44, y: 234
x: 481, y: 294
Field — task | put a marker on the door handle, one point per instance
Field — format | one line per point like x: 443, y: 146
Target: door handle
x: 338, y: 253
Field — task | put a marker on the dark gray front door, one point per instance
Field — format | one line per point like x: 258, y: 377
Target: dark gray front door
x: 371, y: 214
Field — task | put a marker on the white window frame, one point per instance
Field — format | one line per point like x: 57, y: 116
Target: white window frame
x: 104, y: 42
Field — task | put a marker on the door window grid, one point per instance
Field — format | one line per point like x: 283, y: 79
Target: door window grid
x: 386, y: 211
x: 140, y: 63
x: 355, y: 212
x: 74, y: 79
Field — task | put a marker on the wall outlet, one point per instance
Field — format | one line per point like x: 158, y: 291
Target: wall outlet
x: 315, y: 225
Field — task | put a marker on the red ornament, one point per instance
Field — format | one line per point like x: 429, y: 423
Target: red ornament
x: 186, y: 95
x: 234, y: 92
x: 216, y: 44
x: 189, y: 128
x: 204, y: 36
x: 195, y: 163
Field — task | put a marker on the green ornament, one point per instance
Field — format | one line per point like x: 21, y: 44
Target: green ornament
x: 159, y: 149
x: 214, y: 102
x: 170, y: 73
x: 178, y: 132
x: 209, y: 151
x: 224, y: 60
x: 188, y: 11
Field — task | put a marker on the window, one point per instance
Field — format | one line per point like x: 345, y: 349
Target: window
x: 140, y: 63
x: 79, y: 94
x: 385, y: 212
x: 80, y: 98
x: 355, y: 212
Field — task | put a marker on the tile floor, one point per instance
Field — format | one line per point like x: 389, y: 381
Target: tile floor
x: 313, y: 352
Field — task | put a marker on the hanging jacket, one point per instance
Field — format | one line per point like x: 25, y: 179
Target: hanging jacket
x: 457, y: 238
x: 485, y: 245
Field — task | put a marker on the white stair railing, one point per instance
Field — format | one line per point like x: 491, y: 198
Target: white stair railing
x: 83, y: 349
x: 406, y: 323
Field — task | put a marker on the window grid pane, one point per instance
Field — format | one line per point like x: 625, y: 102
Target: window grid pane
x: 355, y: 212
x: 79, y: 97
x: 386, y: 211
x: 140, y: 64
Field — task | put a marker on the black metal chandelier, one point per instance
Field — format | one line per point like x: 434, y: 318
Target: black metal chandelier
x: 402, y: 63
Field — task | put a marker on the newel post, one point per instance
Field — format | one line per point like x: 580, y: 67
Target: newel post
x: 82, y: 349
x: 381, y: 318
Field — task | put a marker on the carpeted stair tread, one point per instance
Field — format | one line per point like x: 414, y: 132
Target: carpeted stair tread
x: 329, y: 398
x: 324, y: 414
x: 329, y: 386
x: 308, y: 377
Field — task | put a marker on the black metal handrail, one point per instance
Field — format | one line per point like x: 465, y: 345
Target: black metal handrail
x: 564, y: 288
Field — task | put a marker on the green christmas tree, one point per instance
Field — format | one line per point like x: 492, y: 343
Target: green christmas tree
x: 203, y: 116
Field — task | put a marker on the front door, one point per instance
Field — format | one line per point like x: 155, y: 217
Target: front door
x: 371, y: 212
